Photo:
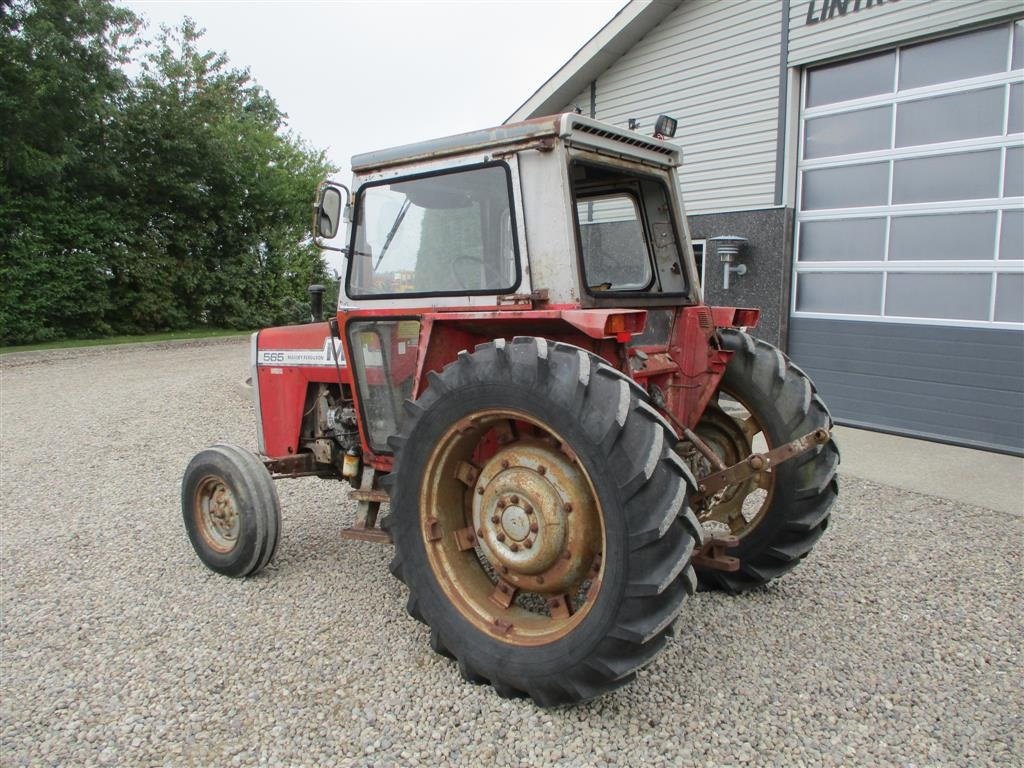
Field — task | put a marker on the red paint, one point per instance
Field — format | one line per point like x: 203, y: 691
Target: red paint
x: 283, y: 388
x: 686, y: 370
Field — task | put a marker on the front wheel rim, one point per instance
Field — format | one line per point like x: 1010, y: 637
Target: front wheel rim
x: 216, y: 514
x: 512, y: 527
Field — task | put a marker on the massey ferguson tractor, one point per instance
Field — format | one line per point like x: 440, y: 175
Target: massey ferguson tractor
x: 521, y: 367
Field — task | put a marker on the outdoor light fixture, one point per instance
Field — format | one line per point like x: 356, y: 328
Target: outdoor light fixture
x: 665, y: 127
x: 728, y: 248
x: 633, y: 123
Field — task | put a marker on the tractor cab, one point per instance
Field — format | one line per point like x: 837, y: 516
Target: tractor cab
x: 562, y: 210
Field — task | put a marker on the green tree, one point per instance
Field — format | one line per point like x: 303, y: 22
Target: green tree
x: 221, y: 194
x: 60, y: 85
x: 175, y: 199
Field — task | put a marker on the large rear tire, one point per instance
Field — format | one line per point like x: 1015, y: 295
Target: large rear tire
x: 541, y: 521
x: 231, y: 510
x: 764, y: 401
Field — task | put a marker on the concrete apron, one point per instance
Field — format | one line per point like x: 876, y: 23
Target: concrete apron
x: 991, y: 480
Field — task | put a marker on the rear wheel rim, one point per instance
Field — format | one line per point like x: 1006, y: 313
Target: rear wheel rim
x: 733, y: 431
x: 216, y: 514
x: 512, y: 527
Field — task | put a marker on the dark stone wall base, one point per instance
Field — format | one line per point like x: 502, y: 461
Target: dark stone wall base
x: 768, y: 256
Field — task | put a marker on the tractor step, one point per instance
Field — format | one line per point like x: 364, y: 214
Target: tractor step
x: 377, y: 496
x: 369, y: 498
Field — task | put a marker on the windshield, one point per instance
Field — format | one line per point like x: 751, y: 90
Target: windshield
x: 446, y: 233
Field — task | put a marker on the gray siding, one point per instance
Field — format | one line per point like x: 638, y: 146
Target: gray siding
x: 960, y: 385
x: 727, y: 125
x: 881, y: 25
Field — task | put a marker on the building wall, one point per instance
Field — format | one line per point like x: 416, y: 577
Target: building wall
x: 718, y: 67
x: 820, y: 30
x: 727, y: 126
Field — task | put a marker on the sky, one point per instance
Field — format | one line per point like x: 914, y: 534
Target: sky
x: 359, y: 76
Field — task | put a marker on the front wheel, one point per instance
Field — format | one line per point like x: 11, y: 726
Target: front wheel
x: 541, y: 521
x: 231, y: 511
x: 765, y: 401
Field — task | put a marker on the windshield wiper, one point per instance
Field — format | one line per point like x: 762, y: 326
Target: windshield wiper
x: 391, y: 233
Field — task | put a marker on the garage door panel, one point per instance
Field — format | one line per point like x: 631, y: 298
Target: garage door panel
x: 916, y: 415
x: 860, y: 387
x: 890, y: 364
x: 865, y: 340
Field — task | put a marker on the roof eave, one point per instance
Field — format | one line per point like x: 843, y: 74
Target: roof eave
x: 615, y: 38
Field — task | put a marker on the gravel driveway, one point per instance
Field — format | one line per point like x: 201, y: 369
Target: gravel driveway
x: 898, y: 642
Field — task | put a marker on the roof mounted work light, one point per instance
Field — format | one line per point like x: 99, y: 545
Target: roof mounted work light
x: 665, y: 127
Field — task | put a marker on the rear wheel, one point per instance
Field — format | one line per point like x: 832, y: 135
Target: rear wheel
x: 541, y: 521
x: 777, y: 515
x: 231, y: 511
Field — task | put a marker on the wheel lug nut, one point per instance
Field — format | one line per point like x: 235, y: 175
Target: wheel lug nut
x: 505, y: 464
x: 514, y: 499
x: 480, y: 491
x: 568, y: 508
x: 529, y: 509
x: 495, y: 519
x: 542, y: 469
x: 528, y: 544
x: 534, y: 527
x: 501, y: 536
x: 514, y: 547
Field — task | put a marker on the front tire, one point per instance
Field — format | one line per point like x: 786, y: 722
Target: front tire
x: 541, y: 521
x: 231, y: 510
x: 764, y: 401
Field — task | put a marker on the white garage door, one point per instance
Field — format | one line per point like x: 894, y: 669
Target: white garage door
x: 908, y: 292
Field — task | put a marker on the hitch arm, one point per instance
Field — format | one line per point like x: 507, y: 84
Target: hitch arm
x: 711, y: 484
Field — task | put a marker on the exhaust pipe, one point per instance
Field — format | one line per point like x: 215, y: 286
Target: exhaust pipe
x: 316, y: 302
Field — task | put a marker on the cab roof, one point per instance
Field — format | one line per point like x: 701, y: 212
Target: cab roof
x: 569, y: 127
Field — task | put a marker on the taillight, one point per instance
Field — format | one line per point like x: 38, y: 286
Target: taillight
x: 622, y: 325
x: 746, y: 318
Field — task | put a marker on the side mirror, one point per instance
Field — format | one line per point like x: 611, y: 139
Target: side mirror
x: 328, y: 211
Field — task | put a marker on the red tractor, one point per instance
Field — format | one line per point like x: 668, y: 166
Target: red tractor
x: 521, y: 366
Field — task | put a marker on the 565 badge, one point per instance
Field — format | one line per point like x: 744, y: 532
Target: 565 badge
x: 303, y: 357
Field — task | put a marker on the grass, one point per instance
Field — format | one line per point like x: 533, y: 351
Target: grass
x: 202, y: 333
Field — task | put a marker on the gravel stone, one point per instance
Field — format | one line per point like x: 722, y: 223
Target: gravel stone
x: 896, y: 643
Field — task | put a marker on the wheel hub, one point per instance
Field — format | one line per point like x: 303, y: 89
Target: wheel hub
x: 534, y: 517
x: 516, y: 522
x: 217, y: 514
x: 732, y: 438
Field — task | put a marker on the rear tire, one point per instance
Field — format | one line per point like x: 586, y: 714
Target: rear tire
x: 231, y: 510
x: 536, y: 416
x: 783, y: 401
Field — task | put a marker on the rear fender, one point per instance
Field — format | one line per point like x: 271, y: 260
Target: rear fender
x: 285, y: 362
x: 695, y: 349
x: 442, y: 337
